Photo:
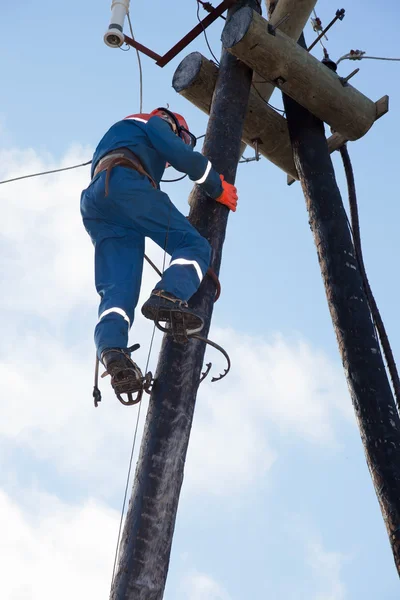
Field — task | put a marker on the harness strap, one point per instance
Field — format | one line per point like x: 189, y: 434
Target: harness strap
x: 123, y: 157
x: 211, y: 273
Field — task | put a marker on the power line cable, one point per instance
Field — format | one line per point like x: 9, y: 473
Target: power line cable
x: 360, y: 55
x: 46, y: 172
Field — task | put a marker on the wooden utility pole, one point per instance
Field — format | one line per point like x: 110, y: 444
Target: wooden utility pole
x: 150, y: 521
x: 363, y: 364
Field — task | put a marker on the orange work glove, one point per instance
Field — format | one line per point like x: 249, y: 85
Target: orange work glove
x: 229, y: 196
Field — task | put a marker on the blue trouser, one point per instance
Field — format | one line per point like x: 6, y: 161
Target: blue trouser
x: 118, y: 224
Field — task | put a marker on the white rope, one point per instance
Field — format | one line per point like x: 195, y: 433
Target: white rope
x: 140, y: 67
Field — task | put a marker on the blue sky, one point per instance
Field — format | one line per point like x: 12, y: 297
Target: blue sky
x: 277, y: 501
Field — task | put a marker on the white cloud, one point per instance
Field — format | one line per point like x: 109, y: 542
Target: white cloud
x: 57, y: 551
x: 321, y: 567
x: 326, y: 567
x: 45, y: 541
x: 199, y: 586
x: 274, y: 386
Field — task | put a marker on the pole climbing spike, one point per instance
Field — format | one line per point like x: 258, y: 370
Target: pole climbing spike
x: 122, y: 380
x: 180, y: 322
x: 217, y: 347
x: 206, y: 372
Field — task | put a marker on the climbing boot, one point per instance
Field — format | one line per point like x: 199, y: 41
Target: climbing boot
x: 126, y: 377
x: 180, y: 321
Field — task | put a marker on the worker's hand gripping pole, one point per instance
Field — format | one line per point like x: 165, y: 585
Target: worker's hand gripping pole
x: 114, y: 36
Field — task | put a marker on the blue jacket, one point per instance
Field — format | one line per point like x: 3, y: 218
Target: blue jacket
x: 155, y: 144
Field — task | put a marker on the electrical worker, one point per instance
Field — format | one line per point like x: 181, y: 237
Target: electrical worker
x: 121, y: 207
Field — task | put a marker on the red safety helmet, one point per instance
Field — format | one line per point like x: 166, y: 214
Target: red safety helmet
x: 181, y: 127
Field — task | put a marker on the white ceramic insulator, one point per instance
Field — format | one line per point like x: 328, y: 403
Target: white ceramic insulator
x: 114, y: 36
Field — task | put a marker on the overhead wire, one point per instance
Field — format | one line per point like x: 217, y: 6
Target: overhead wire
x: 359, y: 55
x: 205, y: 33
x: 46, y: 172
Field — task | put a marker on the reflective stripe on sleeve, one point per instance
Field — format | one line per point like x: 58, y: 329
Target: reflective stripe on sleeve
x: 184, y: 261
x: 117, y: 310
x: 208, y: 169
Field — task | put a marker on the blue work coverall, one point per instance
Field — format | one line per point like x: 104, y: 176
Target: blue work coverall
x: 133, y: 210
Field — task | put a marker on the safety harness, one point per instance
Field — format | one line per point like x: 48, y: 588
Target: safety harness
x: 123, y: 157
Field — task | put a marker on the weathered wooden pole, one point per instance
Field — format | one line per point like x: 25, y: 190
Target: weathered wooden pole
x: 150, y: 521
x: 364, y: 367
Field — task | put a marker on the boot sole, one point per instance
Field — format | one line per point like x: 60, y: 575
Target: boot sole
x: 188, y: 321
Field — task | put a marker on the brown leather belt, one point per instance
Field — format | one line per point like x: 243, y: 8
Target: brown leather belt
x: 123, y: 157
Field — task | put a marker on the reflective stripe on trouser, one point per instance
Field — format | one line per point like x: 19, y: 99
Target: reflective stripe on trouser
x: 118, y: 225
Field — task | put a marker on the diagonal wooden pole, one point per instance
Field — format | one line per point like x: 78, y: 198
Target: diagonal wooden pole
x: 147, y: 537
x: 363, y: 364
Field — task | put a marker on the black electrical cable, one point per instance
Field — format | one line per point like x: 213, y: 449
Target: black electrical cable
x: 205, y: 34
x: 355, y: 229
x: 263, y: 99
x: 173, y: 180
